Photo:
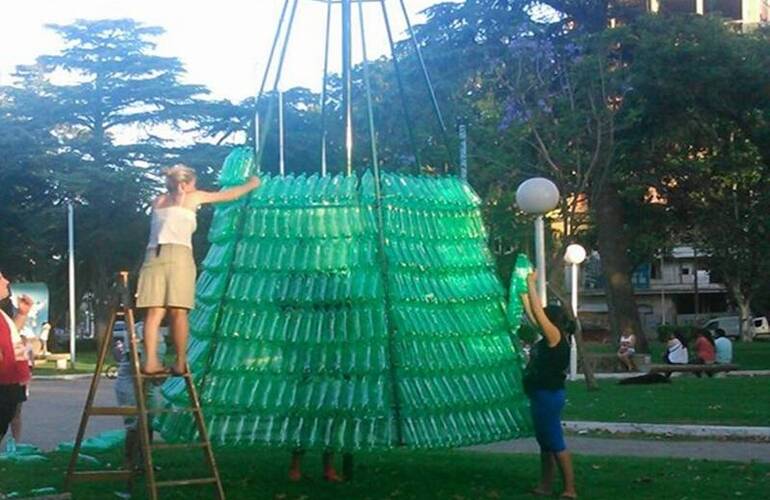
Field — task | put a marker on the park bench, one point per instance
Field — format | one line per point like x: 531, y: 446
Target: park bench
x: 609, y: 362
x: 62, y: 360
x: 691, y: 368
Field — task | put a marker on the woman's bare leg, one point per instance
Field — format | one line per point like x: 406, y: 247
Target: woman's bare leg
x: 151, y: 328
x: 330, y: 474
x: 564, y: 460
x: 547, y: 469
x: 180, y: 330
x: 295, y: 469
x: 16, y: 424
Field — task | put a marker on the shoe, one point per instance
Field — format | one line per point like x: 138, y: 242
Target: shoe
x: 332, y: 477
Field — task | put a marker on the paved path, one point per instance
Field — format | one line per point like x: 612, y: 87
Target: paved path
x: 706, y: 450
x: 52, y: 415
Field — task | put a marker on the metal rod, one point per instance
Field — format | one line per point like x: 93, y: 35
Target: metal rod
x: 463, y: 133
x: 267, y: 72
x: 276, y: 82
x: 71, y: 270
x: 347, y: 85
x: 427, y: 80
x: 389, y: 320
x: 281, y: 153
x: 540, y: 259
x: 574, y: 289
x: 323, y: 86
x: 399, y: 80
x: 368, y: 87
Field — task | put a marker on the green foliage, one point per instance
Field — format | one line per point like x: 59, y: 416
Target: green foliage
x: 664, y: 331
x: 701, y: 135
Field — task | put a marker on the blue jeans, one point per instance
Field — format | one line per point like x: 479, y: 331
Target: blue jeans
x: 546, y: 406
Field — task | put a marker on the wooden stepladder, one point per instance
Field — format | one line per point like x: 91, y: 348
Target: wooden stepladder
x: 122, y: 310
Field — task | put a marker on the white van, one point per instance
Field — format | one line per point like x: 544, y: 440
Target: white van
x: 758, y: 327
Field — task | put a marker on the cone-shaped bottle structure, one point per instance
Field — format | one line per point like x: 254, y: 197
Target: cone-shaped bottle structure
x: 320, y: 324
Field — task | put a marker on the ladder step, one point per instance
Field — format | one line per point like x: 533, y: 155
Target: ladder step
x: 186, y: 409
x: 178, y: 446
x: 186, y: 482
x: 102, y: 475
x: 113, y: 410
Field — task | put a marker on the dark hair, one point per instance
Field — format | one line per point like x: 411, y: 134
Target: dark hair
x: 560, y: 320
x: 681, y: 337
x: 705, y: 333
x: 720, y: 333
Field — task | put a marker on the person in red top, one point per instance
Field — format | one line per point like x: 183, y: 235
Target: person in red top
x: 14, y: 370
x: 705, y: 354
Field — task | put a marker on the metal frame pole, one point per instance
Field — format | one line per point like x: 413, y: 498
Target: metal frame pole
x: 281, y: 131
x: 400, y: 81
x: 263, y: 133
x: 463, y: 133
x: 347, y: 85
x: 258, y: 100
x: 71, y: 271
x: 428, y: 82
x: 323, y: 86
x: 540, y: 259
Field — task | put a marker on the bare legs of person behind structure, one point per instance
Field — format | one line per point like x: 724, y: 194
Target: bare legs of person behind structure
x: 627, y: 360
x: 330, y: 473
x: 179, y: 326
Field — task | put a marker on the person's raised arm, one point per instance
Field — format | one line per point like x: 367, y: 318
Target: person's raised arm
x: 528, y: 308
x: 228, y: 194
x: 551, y: 333
x: 25, y: 305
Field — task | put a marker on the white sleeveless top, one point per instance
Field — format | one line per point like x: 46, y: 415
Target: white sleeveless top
x: 172, y: 225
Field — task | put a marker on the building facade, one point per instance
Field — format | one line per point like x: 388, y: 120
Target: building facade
x: 676, y: 288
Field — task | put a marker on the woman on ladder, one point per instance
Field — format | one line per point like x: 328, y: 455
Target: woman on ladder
x: 167, y: 278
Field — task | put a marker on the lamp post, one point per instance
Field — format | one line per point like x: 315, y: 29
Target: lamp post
x: 538, y: 196
x: 574, y: 256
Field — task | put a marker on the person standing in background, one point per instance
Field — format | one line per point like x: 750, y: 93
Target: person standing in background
x: 14, y: 370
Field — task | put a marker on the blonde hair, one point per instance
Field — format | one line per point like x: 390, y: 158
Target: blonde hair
x: 176, y: 175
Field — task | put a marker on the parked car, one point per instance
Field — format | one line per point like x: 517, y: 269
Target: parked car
x: 758, y: 327
x: 761, y: 328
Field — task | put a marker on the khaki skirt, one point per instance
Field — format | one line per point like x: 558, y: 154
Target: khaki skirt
x: 167, y: 278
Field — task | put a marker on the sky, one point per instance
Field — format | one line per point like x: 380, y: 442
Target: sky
x: 223, y: 44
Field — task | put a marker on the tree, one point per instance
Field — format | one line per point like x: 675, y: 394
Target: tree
x: 106, y: 114
x: 702, y: 101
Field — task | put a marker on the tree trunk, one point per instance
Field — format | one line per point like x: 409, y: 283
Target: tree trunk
x: 744, y: 312
x: 623, y: 314
x: 588, y: 370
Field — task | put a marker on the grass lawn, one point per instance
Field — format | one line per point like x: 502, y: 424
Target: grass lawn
x: 749, y: 355
x: 686, y: 400
x: 453, y: 475
x: 85, y: 363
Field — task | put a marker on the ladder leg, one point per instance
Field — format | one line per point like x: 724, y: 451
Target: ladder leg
x: 203, y: 435
x: 106, y: 342
x: 143, y: 424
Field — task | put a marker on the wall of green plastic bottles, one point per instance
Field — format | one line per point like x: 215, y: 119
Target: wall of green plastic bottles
x: 307, y: 333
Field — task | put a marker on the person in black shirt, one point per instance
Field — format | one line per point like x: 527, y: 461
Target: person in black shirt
x: 544, y: 385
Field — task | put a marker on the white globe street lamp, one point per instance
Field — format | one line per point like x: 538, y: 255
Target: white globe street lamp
x: 574, y: 256
x: 538, y: 196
